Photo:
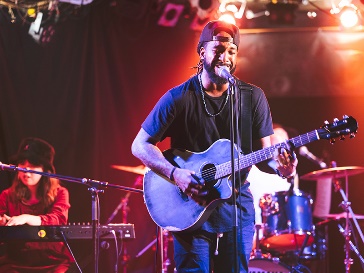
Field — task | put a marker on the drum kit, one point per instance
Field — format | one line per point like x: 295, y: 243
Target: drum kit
x: 289, y: 235
x: 290, y: 238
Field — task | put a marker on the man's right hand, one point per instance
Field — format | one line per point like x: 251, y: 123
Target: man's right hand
x: 186, y: 181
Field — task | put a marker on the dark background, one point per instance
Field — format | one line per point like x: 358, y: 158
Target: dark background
x: 89, y: 89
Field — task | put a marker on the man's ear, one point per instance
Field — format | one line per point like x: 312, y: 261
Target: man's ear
x: 202, y: 53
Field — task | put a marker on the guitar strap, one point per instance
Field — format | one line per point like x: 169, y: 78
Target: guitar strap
x: 245, y: 119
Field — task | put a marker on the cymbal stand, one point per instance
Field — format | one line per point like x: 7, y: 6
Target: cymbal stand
x: 162, y: 249
x: 346, y: 205
x: 164, y: 241
x: 123, y: 206
x: 352, y: 246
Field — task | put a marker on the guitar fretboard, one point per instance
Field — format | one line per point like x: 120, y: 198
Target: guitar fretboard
x: 245, y: 161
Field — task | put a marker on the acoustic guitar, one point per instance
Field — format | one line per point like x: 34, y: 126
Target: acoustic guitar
x: 173, y: 210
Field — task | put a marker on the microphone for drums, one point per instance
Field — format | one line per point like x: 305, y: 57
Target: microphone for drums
x: 303, y: 151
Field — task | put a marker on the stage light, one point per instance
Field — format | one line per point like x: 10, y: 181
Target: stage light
x: 249, y: 14
x: 349, y: 16
x: 170, y: 15
x: 228, y: 18
x: 282, y: 13
x: 231, y: 11
x: 31, y: 12
x: 311, y: 14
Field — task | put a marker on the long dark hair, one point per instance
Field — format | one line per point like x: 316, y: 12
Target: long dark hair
x: 46, y: 190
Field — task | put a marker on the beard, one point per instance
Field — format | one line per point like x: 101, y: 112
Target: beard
x: 210, y: 69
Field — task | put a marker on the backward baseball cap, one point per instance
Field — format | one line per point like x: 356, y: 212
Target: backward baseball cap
x: 213, y: 27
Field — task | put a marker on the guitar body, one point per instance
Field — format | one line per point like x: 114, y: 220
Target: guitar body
x: 173, y: 210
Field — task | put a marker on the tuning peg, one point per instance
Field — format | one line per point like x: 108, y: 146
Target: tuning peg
x: 352, y: 135
x: 345, y: 116
x: 342, y: 137
x: 332, y: 141
x: 326, y: 122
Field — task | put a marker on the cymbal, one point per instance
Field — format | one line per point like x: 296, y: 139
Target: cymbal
x: 341, y: 216
x: 337, y: 172
x: 141, y: 169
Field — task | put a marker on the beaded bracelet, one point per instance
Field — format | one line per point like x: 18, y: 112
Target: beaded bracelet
x: 171, y: 175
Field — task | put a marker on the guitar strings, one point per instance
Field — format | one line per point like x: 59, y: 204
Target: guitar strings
x: 214, y: 173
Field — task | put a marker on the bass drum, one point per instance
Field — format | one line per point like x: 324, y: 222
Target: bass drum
x: 262, y: 265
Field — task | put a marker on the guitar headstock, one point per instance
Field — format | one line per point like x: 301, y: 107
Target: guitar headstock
x: 338, y: 129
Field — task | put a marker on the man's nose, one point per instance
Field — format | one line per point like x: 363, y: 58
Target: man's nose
x: 224, y: 57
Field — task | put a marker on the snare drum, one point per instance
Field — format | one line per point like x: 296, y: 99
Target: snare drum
x: 288, y: 221
x: 261, y: 265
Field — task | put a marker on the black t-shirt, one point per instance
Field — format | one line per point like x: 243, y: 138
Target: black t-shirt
x: 181, y: 115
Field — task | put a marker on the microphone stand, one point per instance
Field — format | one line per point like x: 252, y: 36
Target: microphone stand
x: 93, y: 187
x: 231, y: 93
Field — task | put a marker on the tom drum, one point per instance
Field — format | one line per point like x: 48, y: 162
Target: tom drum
x: 287, y: 219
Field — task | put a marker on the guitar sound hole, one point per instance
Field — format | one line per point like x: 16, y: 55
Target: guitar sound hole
x: 208, y: 173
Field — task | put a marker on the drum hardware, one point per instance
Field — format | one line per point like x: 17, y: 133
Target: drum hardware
x: 124, y: 208
x: 336, y: 173
x: 352, y: 246
x: 164, y: 237
x: 257, y: 251
x: 287, y: 230
x: 338, y: 216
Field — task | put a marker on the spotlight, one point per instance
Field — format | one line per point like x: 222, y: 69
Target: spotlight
x: 311, y: 14
x: 31, y: 13
x: 349, y: 16
x: 230, y: 11
x: 228, y: 18
x: 249, y: 14
x: 170, y: 15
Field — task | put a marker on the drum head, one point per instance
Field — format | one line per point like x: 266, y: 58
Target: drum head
x: 267, y: 266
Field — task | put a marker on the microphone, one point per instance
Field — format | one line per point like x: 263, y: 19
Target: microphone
x: 224, y: 72
x: 310, y: 156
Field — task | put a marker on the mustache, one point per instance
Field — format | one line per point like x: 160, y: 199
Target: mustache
x: 223, y: 64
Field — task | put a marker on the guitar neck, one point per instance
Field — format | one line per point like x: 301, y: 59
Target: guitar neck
x: 256, y: 157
